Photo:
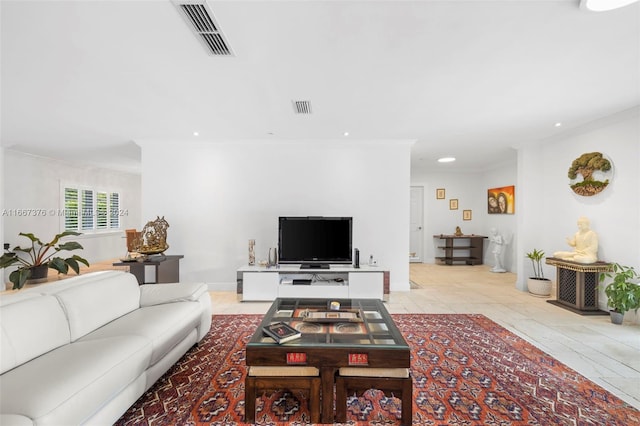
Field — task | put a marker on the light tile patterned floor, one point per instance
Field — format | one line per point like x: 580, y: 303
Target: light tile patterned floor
x: 605, y: 353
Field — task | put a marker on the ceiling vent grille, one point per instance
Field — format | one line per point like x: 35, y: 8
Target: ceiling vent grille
x: 202, y: 23
x: 302, y: 107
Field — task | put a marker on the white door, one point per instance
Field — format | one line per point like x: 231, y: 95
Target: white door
x: 416, y: 232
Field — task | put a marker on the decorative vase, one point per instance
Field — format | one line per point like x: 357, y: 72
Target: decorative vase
x: 540, y: 287
x: 252, y: 252
x: 273, y: 256
x: 616, y: 317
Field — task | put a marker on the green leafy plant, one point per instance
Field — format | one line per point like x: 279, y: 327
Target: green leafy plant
x: 622, y: 294
x: 39, y: 254
x: 536, y: 257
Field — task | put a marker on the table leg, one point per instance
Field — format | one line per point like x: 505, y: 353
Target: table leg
x: 168, y: 271
x: 250, y: 399
x: 407, y: 402
x: 327, y: 376
x: 137, y: 269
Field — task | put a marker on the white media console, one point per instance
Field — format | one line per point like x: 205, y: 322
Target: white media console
x: 259, y: 283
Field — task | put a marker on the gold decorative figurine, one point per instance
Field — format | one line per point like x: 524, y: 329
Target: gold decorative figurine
x: 154, y: 237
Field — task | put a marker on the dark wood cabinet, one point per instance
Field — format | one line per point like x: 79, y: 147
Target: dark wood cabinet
x: 577, y: 285
x: 465, y: 248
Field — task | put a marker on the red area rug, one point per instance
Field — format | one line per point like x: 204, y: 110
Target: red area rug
x: 467, y: 370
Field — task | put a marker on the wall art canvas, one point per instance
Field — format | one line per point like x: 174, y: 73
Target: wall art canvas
x: 501, y: 200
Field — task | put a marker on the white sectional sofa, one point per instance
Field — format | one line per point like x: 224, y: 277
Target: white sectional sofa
x: 84, y: 349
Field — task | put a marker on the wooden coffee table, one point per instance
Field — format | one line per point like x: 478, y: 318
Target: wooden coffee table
x: 328, y: 344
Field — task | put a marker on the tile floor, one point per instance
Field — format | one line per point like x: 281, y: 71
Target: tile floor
x: 605, y: 353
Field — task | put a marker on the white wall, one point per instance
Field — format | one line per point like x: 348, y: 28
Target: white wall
x: 32, y: 182
x: 2, y: 180
x: 504, y: 174
x: 217, y: 196
x: 550, y: 209
x: 438, y: 219
x: 470, y: 189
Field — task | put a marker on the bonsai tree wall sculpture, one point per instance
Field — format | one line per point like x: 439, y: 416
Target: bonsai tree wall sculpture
x: 586, y: 165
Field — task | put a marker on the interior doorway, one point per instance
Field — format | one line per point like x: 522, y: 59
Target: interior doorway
x: 416, y: 231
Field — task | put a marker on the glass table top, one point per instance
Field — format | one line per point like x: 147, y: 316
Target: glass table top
x: 345, y: 322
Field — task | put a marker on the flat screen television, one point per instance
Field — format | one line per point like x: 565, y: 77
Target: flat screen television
x: 315, y: 241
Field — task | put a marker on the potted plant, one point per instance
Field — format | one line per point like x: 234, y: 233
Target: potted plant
x: 622, y: 294
x: 538, y: 285
x: 34, y: 261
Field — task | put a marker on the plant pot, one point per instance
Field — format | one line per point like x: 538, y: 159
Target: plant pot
x: 38, y: 274
x: 540, y: 287
x: 616, y: 317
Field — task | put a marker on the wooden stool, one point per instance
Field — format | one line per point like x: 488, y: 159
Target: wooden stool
x: 274, y: 378
x: 359, y: 379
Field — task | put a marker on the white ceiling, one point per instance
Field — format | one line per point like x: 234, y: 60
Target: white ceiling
x: 84, y: 80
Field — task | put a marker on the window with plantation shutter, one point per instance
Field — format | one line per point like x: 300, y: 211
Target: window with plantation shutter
x: 87, y: 210
x: 102, y: 210
x: 114, y: 210
x: 71, y: 208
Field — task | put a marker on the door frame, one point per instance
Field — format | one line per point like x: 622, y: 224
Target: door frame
x: 419, y: 258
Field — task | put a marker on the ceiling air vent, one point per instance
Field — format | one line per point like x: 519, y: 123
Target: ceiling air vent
x: 302, y: 107
x: 202, y: 23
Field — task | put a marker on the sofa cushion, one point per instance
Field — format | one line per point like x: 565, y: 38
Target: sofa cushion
x: 156, y: 294
x: 92, y: 303
x: 163, y: 325
x: 29, y: 328
x: 69, y: 384
x: 71, y: 281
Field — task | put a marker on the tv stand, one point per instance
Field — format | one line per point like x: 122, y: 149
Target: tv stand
x: 314, y: 266
x: 259, y: 283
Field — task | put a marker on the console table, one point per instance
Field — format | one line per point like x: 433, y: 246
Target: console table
x: 167, y: 268
x: 473, y: 249
x: 259, y: 283
x: 577, y: 285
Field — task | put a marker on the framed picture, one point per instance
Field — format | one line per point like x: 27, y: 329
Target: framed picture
x: 453, y: 204
x: 466, y: 214
x: 501, y: 200
x: 440, y: 194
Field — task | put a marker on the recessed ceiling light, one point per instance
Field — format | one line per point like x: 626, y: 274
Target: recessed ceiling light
x: 346, y: 133
x: 558, y: 124
x: 446, y: 159
x: 196, y: 134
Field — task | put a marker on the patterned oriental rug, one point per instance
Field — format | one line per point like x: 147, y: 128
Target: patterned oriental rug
x: 467, y: 370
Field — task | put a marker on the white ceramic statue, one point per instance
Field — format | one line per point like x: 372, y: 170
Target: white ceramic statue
x: 498, y: 242
x: 584, y: 242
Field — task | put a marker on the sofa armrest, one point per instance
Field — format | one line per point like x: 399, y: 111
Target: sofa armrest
x: 158, y: 294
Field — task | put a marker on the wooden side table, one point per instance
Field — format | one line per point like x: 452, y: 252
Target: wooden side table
x: 167, y: 268
x: 577, y: 285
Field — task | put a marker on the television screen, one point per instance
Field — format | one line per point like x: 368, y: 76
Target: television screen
x: 315, y: 241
